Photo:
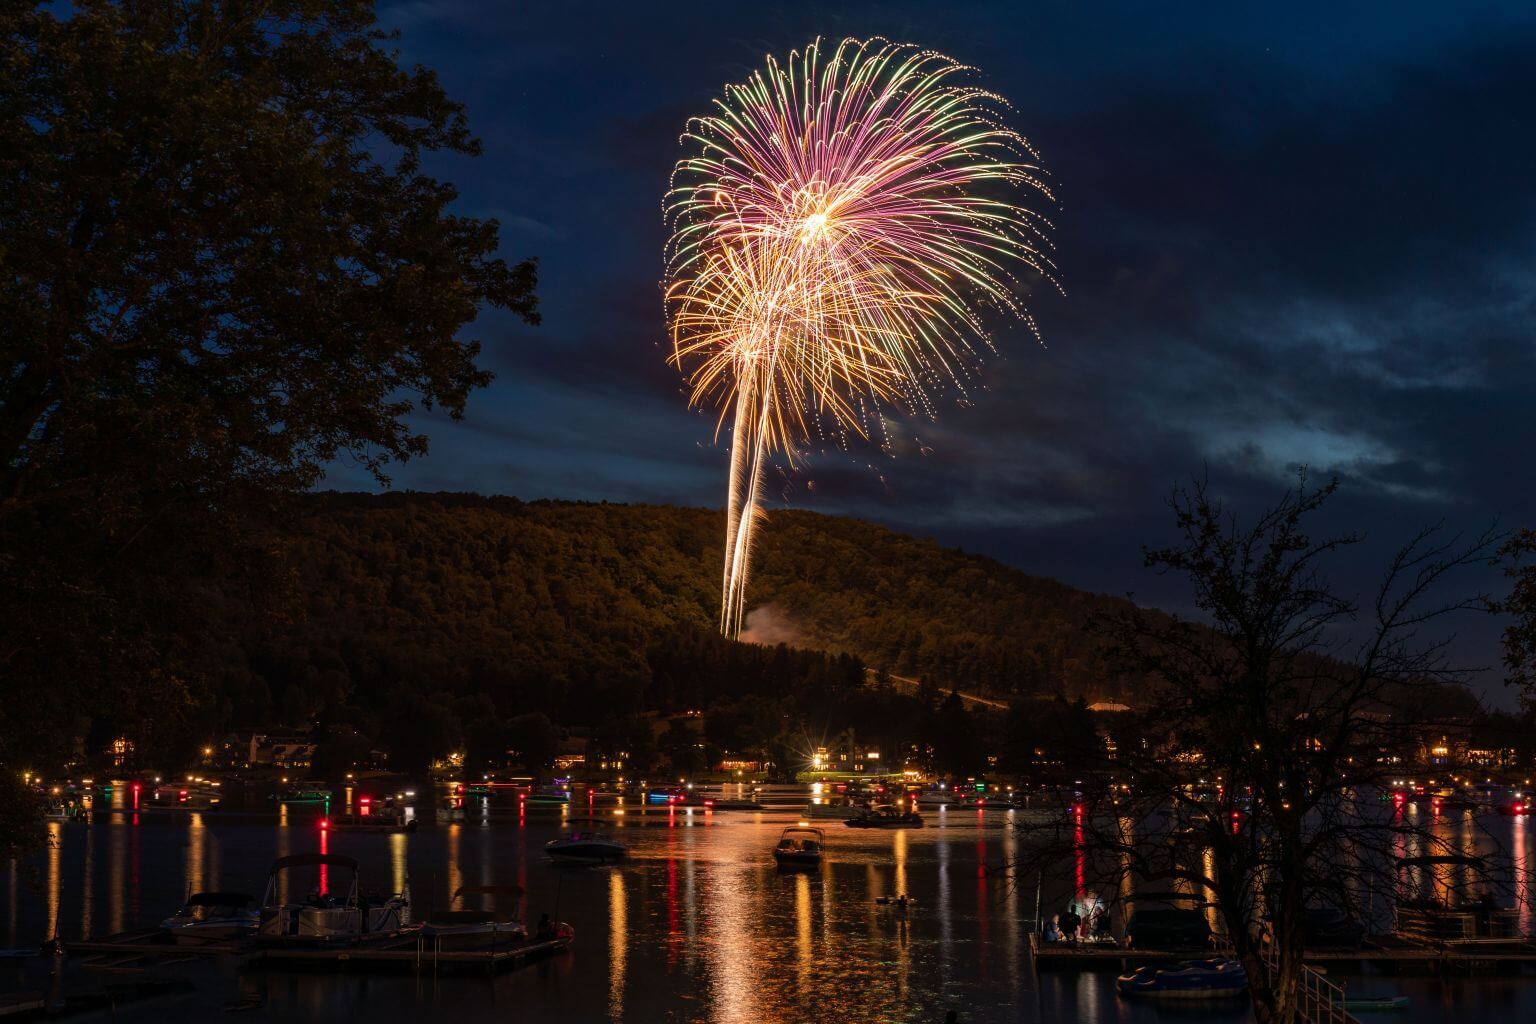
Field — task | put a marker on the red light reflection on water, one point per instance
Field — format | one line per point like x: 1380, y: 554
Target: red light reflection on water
x: 325, y: 871
x: 1078, y: 855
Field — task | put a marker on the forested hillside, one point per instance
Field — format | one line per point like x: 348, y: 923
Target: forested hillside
x: 585, y: 608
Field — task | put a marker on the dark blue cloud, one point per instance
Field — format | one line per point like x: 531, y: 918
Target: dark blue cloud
x: 1289, y: 235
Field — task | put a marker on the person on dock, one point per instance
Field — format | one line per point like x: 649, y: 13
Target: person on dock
x: 1053, y: 929
x: 1069, y: 923
x: 1098, y: 924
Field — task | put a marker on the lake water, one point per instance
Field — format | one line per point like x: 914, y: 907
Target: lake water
x: 698, y: 925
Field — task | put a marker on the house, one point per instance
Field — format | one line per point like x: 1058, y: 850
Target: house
x: 280, y: 751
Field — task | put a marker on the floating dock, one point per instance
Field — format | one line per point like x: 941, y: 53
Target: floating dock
x: 408, y: 949
x: 1381, y: 950
x: 140, y: 951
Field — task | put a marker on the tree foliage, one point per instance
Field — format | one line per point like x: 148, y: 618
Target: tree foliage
x: 1519, y: 552
x: 223, y: 267
x: 1270, y: 729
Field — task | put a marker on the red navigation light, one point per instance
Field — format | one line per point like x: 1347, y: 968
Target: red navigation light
x: 325, y: 823
x: 365, y: 799
x: 182, y: 796
x: 709, y: 803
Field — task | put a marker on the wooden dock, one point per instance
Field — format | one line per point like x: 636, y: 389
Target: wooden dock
x: 142, y: 951
x: 151, y: 942
x: 408, y: 949
x: 1380, y: 950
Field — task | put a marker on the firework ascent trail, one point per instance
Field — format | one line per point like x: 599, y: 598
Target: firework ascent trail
x: 839, y: 227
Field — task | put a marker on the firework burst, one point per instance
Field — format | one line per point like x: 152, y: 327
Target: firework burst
x: 842, y: 224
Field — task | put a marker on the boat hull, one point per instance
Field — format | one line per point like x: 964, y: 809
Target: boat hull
x: 587, y: 854
x: 459, y: 937
x: 800, y: 860
x: 1193, y: 980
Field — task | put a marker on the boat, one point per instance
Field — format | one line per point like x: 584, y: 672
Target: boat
x: 460, y: 929
x: 885, y: 816
x: 840, y: 811
x: 901, y: 903
x: 324, y: 918
x: 585, y: 847
x: 1167, y: 928
x: 1369, y: 1004
x: 303, y: 795
x: 799, y: 846
x: 61, y: 811
x: 376, y: 821
x: 1190, y: 980
x: 209, y: 917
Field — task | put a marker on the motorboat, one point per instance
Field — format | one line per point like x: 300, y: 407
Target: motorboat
x: 550, y: 795
x: 61, y: 811
x: 209, y: 917
x: 1215, y: 978
x: 585, y: 847
x: 886, y: 816
x: 375, y: 821
x: 459, y: 929
x: 303, y: 795
x: 799, y: 846
x: 324, y: 918
x: 840, y: 810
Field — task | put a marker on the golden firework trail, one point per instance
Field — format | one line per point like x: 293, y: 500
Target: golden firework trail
x: 841, y: 224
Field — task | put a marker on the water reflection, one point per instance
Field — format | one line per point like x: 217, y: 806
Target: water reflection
x: 1521, y: 853
x: 54, y: 892
x: 697, y: 924
x: 803, y: 931
x: 618, y: 944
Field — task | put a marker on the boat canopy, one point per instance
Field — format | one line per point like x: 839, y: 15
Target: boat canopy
x: 218, y: 899
x: 299, y: 860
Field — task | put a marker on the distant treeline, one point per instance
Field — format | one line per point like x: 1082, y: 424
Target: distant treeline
x: 428, y: 622
x: 585, y: 610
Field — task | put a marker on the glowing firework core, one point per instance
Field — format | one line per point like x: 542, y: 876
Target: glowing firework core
x: 835, y: 235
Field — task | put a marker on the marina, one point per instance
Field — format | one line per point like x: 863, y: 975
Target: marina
x: 644, y: 937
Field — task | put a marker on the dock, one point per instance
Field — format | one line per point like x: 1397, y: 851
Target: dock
x: 1392, y: 951
x: 407, y: 949
x: 141, y: 951
x: 150, y: 942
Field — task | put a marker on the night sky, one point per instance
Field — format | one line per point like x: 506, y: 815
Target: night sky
x: 1296, y: 235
